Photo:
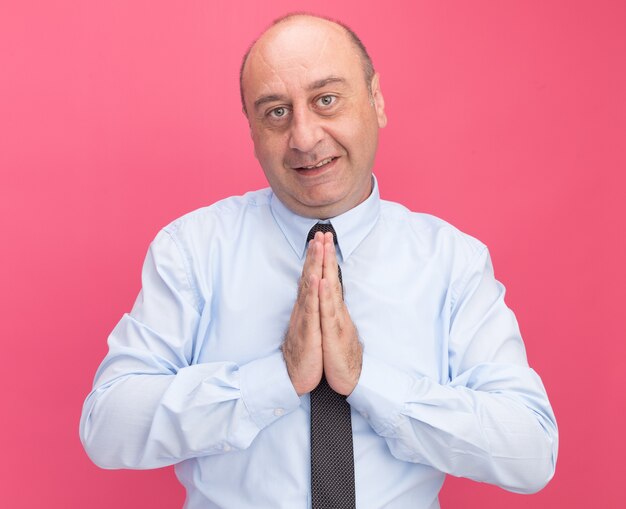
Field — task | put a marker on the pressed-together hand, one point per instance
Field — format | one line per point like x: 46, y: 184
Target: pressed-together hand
x: 321, y: 336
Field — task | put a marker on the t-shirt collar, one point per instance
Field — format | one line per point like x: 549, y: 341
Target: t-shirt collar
x: 351, y: 226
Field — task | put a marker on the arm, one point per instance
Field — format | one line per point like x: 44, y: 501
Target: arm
x: 151, y: 405
x: 492, y: 421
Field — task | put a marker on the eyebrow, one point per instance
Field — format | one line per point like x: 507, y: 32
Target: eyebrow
x: 316, y: 85
x: 326, y: 81
x: 268, y: 99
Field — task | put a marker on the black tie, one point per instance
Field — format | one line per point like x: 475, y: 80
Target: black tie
x: 332, y: 457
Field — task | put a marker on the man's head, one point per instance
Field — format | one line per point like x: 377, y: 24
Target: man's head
x: 314, y: 107
x: 366, y: 61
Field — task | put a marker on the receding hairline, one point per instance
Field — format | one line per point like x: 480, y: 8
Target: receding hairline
x: 366, y: 61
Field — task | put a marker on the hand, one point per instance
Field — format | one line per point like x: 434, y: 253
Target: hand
x: 342, y: 351
x: 302, y: 348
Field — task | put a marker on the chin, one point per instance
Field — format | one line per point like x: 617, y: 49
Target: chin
x: 323, y: 200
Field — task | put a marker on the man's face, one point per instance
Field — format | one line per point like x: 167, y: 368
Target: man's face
x: 312, y: 118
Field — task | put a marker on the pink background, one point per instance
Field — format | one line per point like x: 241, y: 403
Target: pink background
x: 507, y: 119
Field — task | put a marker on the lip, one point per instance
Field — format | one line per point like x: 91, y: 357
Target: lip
x: 316, y: 171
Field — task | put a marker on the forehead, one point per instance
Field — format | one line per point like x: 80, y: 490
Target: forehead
x: 296, y: 53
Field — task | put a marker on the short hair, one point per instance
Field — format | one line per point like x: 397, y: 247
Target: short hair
x: 366, y: 61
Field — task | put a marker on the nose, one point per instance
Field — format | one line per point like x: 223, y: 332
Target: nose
x: 306, y: 130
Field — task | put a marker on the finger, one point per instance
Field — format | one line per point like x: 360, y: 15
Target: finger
x: 315, y: 256
x: 326, y: 303
x: 329, y: 312
x: 310, y: 315
x: 312, y: 264
x: 304, y: 324
x: 312, y: 301
x: 330, y: 267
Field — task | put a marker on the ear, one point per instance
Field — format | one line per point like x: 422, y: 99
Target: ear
x: 378, y: 101
x: 245, y: 114
x: 252, y: 137
x: 250, y: 131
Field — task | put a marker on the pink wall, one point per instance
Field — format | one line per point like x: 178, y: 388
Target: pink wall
x: 506, y: 118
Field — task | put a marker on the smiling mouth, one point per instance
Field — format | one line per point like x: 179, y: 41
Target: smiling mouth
x: 323, y: 162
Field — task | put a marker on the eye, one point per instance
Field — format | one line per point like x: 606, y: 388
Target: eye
x: 279, y: 112
x: 326, y: 100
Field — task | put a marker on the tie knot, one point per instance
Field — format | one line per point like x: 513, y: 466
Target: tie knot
x: 324, y: 228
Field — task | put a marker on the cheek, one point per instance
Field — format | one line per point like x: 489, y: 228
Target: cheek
x: 366, y: 131
x: 267, y: 145
x: 261, y: 149
x: 357, y: 127
x: 270, y: 156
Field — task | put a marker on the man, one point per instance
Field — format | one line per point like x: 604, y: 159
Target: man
x: 240, y: 320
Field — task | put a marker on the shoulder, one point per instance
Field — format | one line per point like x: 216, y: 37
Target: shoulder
x: 426, y: 229
x: 431, y: 242
x: 221, y: 216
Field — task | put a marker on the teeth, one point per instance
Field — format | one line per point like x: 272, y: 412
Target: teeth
x: 321, y: 163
